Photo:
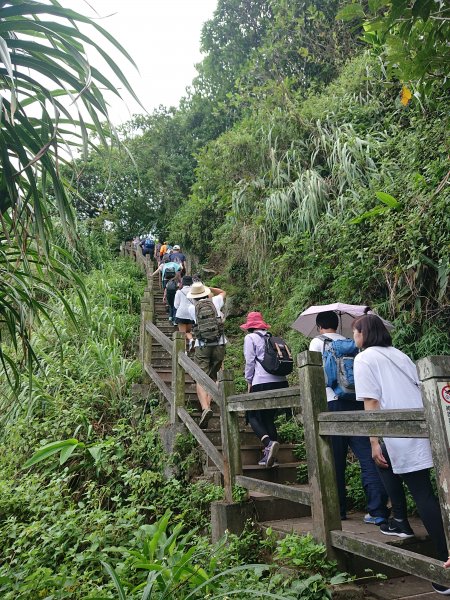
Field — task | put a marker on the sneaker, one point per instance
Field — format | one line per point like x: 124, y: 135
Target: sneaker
x: 263, y: 461
x: 399, y: 528
x: 441, y: 589
x: 273, y: 448
x: 374, y: 520
x: 206, y: 415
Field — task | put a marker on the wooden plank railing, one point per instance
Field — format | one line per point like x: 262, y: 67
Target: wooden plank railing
x: 309, y: 399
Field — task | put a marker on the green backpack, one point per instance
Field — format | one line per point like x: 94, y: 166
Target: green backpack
x: 209, y: 326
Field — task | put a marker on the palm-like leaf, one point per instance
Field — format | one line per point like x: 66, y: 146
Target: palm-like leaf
x: 50, y: 97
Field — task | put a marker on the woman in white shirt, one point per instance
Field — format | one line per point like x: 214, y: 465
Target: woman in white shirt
x: 386, y: 378
x: 182, y: 304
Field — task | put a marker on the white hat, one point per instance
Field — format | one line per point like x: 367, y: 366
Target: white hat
x: 198, y: 290
x: 176, y: 247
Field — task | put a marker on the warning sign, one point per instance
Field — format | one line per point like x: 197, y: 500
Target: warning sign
x: 445, y: 393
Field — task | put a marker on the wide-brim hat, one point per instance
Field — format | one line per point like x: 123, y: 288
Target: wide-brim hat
x: 255, y: 321
x: 198, y: 290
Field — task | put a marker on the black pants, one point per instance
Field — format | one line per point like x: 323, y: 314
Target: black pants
x: 263, y: 421
x: 419, y: 485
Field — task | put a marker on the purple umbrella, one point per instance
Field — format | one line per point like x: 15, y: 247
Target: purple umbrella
x: 306, y: 321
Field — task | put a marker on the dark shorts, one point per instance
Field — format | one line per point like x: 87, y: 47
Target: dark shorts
x: 210, y: 359
x: 184, y: 321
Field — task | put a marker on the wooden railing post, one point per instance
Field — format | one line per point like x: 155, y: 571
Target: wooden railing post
x: 145, y: 342
x: 434, y: 373
x: 229, y: 427
x: 178, y: 376
x: 319, y: 453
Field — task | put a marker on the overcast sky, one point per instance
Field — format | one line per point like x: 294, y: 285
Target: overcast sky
x: 163, y: 38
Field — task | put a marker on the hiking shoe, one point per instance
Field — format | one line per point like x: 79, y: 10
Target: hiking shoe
x: 263, y: 461
x: 400, y: 529
x: 441, y: 589
x: 206, y: 415
x: 374, y: 520
x: 272, y: 448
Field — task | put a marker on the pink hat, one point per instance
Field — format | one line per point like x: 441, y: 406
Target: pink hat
x: 254, y: 321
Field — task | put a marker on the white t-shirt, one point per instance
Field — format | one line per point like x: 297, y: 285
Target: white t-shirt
x: 218, y: 302
x: 391, y: 384
x: 316, y: 345
x: 182, y: 302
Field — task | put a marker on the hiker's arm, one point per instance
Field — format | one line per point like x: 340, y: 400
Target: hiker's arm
x: 218, y: 292
x: 377, y: 454
x: 158, y: 269
x: 250, y: 360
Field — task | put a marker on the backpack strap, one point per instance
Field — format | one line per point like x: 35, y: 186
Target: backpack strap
x: 326, y: 340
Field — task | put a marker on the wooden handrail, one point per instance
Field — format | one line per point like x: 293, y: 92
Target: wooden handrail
x: 300, y: 494
x: 201, y: 438
x: 398, y: 558
x: 161, y: 384
x: 284, y: 398
x: 387, y: 423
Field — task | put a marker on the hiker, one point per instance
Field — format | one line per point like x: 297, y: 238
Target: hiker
x: 157, y: 251
x: 327, y: 323
x: 177, y: 256
x: 182, y: 304
x: 209, y: 346
x: 170, y: 291
x: 258, y: 380
x: 163, y: 250
x: 386, y: 379
x: 168, y: 271
x: 148, y: 247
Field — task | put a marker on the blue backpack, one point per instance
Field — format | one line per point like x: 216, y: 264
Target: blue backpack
x: 338, y: 360
x: 149, y: 244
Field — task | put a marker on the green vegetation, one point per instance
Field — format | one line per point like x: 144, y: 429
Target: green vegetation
x: 51, y: 99
x: 307, y: 163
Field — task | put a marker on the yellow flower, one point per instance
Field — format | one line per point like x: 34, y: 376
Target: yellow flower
x: 405, y: 96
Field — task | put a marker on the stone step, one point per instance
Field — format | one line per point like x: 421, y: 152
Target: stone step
x: 214, y: 421
x: 268, y: 508
x: 247, y: 437
x: 283, y: 473
x: 252, y: 453
x: 166, y: 374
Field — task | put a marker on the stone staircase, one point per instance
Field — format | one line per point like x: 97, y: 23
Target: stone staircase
x: 266, y: 507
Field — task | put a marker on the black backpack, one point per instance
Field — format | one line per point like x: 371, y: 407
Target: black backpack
x: 169, y: 273
x: 277, y: 356
x: 171, y: 289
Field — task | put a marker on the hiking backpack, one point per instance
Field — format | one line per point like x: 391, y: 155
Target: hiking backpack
x: 209, y: 325
x: 171, y: 288
x: 277, y: 356
x: 149, y: 244
x: 338, y: 361
x: 169, y: 273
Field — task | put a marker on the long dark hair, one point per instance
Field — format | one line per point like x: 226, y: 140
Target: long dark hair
x: 374, y: 332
